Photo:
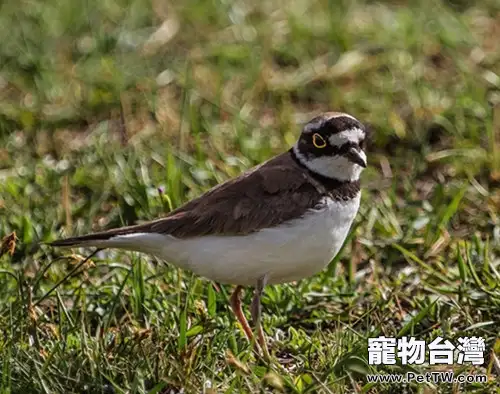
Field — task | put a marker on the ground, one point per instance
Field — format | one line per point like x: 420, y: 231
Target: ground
x: 112, y: 112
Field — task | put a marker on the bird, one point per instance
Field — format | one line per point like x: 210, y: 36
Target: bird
x: 280, y: 221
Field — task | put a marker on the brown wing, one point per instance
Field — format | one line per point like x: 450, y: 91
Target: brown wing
x: 266, y: 197
x: 277, y: 191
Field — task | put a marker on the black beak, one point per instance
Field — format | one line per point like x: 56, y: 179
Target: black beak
x: 355, y: 155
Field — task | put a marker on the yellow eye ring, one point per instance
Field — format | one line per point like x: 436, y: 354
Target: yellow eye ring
x: 318, y: 141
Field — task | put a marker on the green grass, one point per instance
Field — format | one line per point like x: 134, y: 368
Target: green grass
x: 102, y: 126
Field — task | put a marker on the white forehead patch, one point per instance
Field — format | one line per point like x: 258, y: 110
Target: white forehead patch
x: 352, y: 135
x: 309, y: 127
x: 340, y: 115
x: 317, y: 122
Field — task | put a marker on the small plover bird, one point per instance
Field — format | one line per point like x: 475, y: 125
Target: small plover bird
x: 281, y: 221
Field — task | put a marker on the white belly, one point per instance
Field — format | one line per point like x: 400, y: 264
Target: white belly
x: 288, y: 252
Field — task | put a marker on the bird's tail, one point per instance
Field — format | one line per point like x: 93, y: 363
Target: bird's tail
x: 139, y: 237
x: 96, y: 239
x: 105, y: 239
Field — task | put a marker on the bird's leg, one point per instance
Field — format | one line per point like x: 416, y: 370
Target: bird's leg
x: 238, y: 312
x: 256, y: 310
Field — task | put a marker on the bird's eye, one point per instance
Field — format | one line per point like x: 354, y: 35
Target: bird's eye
x: 318, y: 141
x: 362, y: 144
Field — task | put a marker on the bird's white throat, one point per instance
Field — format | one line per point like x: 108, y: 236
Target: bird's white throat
x: 334, y: 167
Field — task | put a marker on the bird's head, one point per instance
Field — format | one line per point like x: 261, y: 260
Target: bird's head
x: 332, y: 145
